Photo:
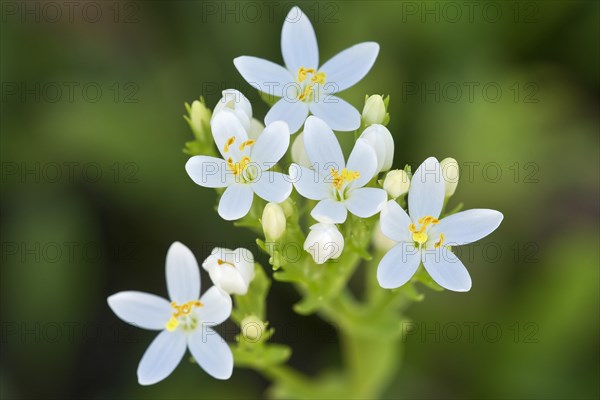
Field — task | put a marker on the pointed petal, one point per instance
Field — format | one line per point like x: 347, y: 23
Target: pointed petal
x: 380, y: 138
x: 426, y: 194
x: 299, y: 42
x: 183, y: 274
x: 216, y: 306
x: 161, y: 357
x: 271, y: 145
x: 224, y: 126
x: 309, y: 183
x: 398, y: 265
x: 292, y: 111
x: 144, y: 310
x: 329, y: 211
x: 235, y: 202
x: 272, y: 186
x: 364, y: 160
x: 349, y: 66
x: 235, y: 100
x: 266, y: 76
x: 467, y: 226
x: 209, y: 172
x: 446, y: 269
x: 337, y: 113
x: 322, y: 147
x: 211, y: 353
x: 366, y: 202
x: 395, y: 222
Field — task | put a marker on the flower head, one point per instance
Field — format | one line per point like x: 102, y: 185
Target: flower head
x: 245, y: 167
x: 185, y: 321
x: 423, y: 238
x: 336, y: 184
x: 304, y: 85
x: 273, y: 221
x: 230, y: 270
x: 324, y: 242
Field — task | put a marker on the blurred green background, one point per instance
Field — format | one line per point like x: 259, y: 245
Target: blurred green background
x: 94, y: 190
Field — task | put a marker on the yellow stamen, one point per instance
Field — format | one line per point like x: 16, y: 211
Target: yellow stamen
x: 229, y: 142
x: 238, y: 167
x: 319, y: 78
x: 305, y: 93
x: 245, y: 144
x: 302, y: 73
x: 221, y: 262
x: 439, y: 242
x: 419, y: 235
x: 316, y: 78
x: 345, y: 176
x: 181, y: 310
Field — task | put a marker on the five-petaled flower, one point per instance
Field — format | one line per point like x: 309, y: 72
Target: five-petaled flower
x: 184, y: 322
x: 338, y: 186
x: 245, y: 167
x: 304, y: 86
x: 423, y: 238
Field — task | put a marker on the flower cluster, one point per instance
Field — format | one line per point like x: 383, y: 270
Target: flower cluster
x: 336, y: 191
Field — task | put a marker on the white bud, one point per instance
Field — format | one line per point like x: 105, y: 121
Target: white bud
x: 396, y: 183
x: 449, y: 167
x: 273, y: 221
x: 380, y: 138
x: 374, y: 110
x: 299, y: 155
x: 235, y: 101
x: 253, y: 329
x: 382, y: 242
x: 199, y: 118
x: 324, y: 242
x: 230, y: 270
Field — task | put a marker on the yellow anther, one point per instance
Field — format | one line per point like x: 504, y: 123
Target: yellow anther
x: 319, y: 78
x: 419, y: 235
x: 343, y: 176
x: 172, y: 324
x: 238, y: 167
x: 439, y: 242
x: 229, y: 142
x: 221, y: 262
x: 305, y: 93
x: 303, y: 72
x: 245, y: 144
x: 181, y: 310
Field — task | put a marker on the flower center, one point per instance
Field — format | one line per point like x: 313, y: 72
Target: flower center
x: 315, y: 78
x: 182, y: 315
x: 342, y: 177
x: 240, y: 166
x: 420, y: 235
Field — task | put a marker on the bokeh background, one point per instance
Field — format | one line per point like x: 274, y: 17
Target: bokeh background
x: 94, y: 190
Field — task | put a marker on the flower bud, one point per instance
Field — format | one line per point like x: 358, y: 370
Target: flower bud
x: 324, y: 242
x: 253, y: 329
x: 230, y: 270
x: 396, y: 183
x: 199, y: 118
x: 380, y: 138
x: 382, y: 242
x: 374, y: 111
x: 449, y: 167
x: 234, y: 100
x: 299, y: 155
x: 273, y: 221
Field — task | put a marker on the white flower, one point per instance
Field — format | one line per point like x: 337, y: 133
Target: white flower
x: 299, y: 152
x: 244, y: 169
x: 380, y: 138
x: 304, y: 86
x: 421, y: 237
x: 449, y: 167
x: 235, y: 101
x: 273, y: 221
x: 184, y: 322
x: 338, y: 186
x: 230, y: 270
x: 324, y: 242
x: 374, y: 111
x: 396, y: 183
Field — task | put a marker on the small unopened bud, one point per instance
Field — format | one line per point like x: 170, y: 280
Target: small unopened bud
x: 235, y: 101
x: 449, y: 167
x: 273, y: 221
x: 396, y: 183
x: 199, y: 118
x: 253, y: 329
x: 374, y: 111
x: 324, y: 242
x: 230, y: 270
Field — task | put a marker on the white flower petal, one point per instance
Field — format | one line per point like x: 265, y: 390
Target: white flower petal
x: 235, y: 100
x: 272, y: 186
x: 182, y: 273
x: 380, y: 138
x: 426, y: 193
x: 308, y: 182
x: 446, y: 269
x: 395, y: 222
x: 322, y: 147
x: 144, y: 310
x: 216, y: 306
x: 299, y: 42
x: 349, y: 66
x: 299, y: 155
x: 211, y: 353
x: 292, y: 111
x: 398, y: 265
x: 224, y: 126
x: 330, y: 211
x: 161, y: 357
x: 235, y: 202
x: 266, y: 76
x: 256, y: 128
x: 467, y: 226
x: 271, y: 145
x: 209, y: 172
x: 366, y: 202
x: 235, y: 274
x: 337, y: 113
x: 364, y: 160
